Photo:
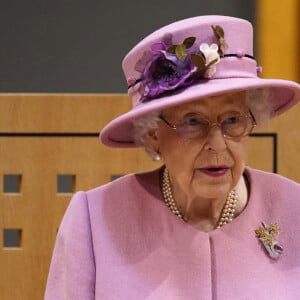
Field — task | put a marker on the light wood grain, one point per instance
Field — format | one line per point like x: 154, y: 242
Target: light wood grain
x: 278, y: 38
x: 38, y: 209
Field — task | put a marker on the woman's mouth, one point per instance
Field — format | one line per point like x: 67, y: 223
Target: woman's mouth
x: 214, y: 171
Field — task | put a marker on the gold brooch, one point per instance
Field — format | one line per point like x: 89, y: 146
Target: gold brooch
x: 268, y: 236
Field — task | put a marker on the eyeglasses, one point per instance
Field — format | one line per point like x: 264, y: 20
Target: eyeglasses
x: 232, y: 125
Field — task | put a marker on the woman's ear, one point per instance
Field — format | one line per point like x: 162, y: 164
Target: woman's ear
x: 152, y: 144
x: 151, y: 138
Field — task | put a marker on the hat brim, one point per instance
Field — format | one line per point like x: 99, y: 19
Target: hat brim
x: 283, y: 95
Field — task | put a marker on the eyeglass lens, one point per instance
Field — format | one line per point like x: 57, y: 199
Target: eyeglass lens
x: 232, y: 125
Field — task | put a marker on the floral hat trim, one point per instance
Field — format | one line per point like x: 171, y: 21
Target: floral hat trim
x: 167, y: 67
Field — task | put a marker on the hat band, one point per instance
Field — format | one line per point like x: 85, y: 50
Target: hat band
x: 235, y: 67
x: 230, y: 66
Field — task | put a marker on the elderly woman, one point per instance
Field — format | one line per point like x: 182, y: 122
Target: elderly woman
x: 203, y: 226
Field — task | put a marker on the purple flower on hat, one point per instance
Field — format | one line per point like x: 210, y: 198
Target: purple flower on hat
x: 165, y: 71
x: 166, y: 67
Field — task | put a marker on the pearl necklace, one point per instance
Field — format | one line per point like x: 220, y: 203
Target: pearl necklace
x: 227, y: 212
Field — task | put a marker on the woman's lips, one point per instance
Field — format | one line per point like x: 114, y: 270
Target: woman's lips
x: 214, y: 171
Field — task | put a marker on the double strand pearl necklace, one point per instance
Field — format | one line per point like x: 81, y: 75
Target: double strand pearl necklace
x: 227, y: 212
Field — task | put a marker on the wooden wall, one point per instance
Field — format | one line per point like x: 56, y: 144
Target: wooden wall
x: 278, y: 38
x: 44, y: 137
x: 278, y: 45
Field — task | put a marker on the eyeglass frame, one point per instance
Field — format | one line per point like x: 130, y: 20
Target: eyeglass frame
x: 249, y: 116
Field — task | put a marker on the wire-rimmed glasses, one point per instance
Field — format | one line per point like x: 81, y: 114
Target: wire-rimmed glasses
x: 232, y: 125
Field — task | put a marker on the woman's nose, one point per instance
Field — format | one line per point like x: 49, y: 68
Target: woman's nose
x: 215, y: 140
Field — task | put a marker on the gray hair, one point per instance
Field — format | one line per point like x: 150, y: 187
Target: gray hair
x: 256, y: 100
x: 259, y: 104
x: 142, y: 126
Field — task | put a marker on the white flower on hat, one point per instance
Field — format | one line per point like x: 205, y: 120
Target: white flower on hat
x: 212, y: 58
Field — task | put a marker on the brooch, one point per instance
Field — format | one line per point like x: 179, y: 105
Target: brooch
x: 267, y: 235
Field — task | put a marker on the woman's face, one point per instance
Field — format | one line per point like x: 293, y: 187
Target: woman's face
x: 210, y: 165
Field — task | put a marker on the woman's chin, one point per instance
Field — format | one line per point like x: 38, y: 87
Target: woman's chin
x: 213, y: 187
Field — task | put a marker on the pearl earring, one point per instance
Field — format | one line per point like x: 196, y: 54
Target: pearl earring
x: 156, y: 156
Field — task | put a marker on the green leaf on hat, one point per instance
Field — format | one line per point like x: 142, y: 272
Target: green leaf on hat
x: 199, y: 62
x: 218, y: 30
x: 172, y: 49
x: 180, y: 51
x: 219, y: 33
x: 189, y: 42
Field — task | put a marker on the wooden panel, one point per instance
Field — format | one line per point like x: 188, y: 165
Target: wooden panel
x: 264, y: 160
x: 38, y: 208
x: 278, y: 52
x: 287, y: 128
x: 278, y: 38
x: 57, y: 113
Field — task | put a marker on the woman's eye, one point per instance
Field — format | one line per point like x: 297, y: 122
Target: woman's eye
x: 232, y: 120
x: 193, y: 121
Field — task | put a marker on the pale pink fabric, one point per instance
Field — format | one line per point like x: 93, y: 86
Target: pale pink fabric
x: 234, y: 73
x: 120, y: 241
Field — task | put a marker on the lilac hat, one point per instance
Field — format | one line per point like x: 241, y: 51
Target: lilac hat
x: 190, y: 59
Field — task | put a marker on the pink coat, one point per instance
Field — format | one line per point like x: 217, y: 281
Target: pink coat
x: 120, y: 241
